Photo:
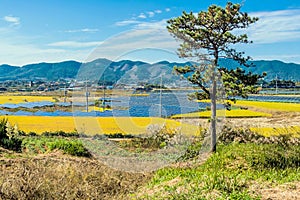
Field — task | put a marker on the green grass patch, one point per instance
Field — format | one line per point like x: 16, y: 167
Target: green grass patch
x: 40, y: 144
x: 228, y: 174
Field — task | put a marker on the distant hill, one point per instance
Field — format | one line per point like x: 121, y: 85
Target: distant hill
x: 127, y: 71
x: 284, y: 71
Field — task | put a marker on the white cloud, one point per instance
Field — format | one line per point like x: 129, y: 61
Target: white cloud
x: 134, y: 21
x: 151, y: 14
x: 85, y: 30
x: 151, y: 25
x: 142, y: 16
x: 142, y: 24
x: 121, y: 45
x: 74, y: 44
x: 11, y: 19
x: 22, y: 54
x: 167, y: 9
x: 275, y: 26
x: 126, y: 22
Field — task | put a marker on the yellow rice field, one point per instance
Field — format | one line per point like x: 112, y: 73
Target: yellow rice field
x: 138, y: 125
x: 276, y: 106
x: 269, y: 131
x: 124, y: 125
x: 224, y: 113
x: 97, y: 125
x: 23, y: 99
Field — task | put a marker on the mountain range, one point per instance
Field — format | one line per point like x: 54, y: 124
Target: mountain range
x: 128, y: 71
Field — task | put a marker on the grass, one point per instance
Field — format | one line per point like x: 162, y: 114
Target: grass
x: 240, y: 169
x: 225, y: 113
x: 236, y: 171
x: 38, y: 144
x: 96, y: 125
x: 23, y: 99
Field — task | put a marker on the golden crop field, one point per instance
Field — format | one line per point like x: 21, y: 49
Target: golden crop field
x: 97, y: 125
x: 223, y: 113
x: 23, y: 99
x: 276, y: 106
x: 269, y: 131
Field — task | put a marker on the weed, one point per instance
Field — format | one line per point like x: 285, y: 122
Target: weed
x: 9, y: 136
x: 42, y: 144
x: 228, y: 174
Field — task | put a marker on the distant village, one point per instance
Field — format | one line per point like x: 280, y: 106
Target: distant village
x: 73, y: 85
x: 68, y: 85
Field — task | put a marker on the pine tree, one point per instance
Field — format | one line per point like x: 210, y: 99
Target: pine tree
x: 208, y: 36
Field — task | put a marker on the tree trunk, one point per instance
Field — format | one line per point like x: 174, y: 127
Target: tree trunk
x: 213, y: 124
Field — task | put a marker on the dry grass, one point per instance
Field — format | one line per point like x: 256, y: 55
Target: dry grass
x: 62, y: 177
x: 287, y: 191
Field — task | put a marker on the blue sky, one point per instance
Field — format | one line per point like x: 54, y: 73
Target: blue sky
x: 34, y: 31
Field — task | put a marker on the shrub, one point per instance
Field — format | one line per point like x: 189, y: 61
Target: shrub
x: 9, y: 136
x: 118, y: 135
x: 3, y: 123
x: 274, y: 156
x: 41, y: 144
x: 159, y: 137
x: 12, y: 144
x: 61, y: 133
x: 71, y: 147
x: 242, y: 135
x: 192, y: 150
x: 245, y: 135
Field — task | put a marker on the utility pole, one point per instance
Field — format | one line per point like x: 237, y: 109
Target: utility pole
x: 103, y: 87
x: 276, y: 84
x: 65, y: 93
x: 160, y: 98
x: 87, y: 96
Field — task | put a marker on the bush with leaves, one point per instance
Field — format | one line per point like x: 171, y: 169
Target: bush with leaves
x: 42, y: 144
x: 10, y: 136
